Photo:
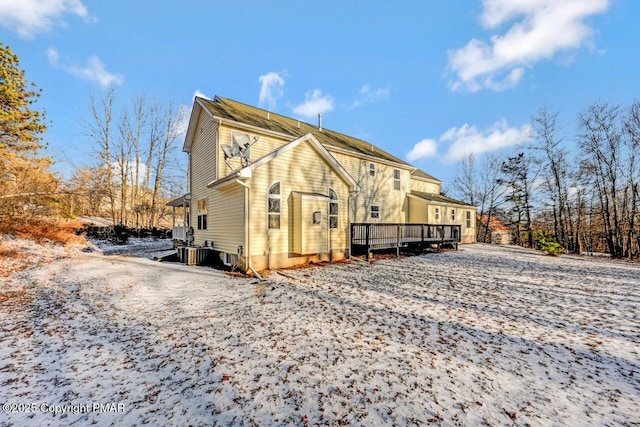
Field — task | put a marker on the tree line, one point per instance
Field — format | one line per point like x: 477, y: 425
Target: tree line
x: 135, y: 146
x: 135, y: 143
x: 584, y: 195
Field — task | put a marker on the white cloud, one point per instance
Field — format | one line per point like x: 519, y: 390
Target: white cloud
x: 374, y: 94
x: 546, y: 28
x: 199, y: 94
x: 423, y: 149
x: 30, y: 17
x: 184, y: 113
x: 271, y: 89
x: 367, y: 95
x: 315, y: 103
x: 467, y: 139
x: 93, y: 71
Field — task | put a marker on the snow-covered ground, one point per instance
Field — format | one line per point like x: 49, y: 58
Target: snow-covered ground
x: 145, y: 247
x: 486, y: 335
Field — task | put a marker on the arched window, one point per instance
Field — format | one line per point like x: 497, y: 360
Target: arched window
x: 273, y: 206
x: 333, y: 209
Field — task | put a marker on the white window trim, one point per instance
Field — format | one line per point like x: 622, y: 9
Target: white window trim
x: 228, y: 259
x: 436, y: 213
x: 204, y: 213
x: 372, y: 168
x: 469, y: 225
x: 273, y: 196
x: 335, y: 201
x: 453, y: 214
x: 371, y: 212
x: 399, y: 186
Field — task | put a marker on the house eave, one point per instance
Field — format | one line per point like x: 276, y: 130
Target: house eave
x: 440, y: 202
x: 404, y: 166
x: 198, y: 106
x: 431, y: 181
x: 224, y: 182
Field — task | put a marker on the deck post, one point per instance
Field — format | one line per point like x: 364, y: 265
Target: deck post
x: 351, y: 239
x: 398, y: 241
x: 367, y: 227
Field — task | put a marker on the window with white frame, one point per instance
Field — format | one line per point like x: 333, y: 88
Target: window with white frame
x: 228, y: 259
x: 453, y: 214
x: 372, y: 169
x: 375, y: 212
x: 396, y: 179
x: 437, y: 213
x: 202, y: 214
x: 468, y: 219
x: 333, y: 209
x: 273, y: 206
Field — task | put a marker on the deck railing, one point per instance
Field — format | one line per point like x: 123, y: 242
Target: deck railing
x: 179, y: 233
x: 366, y: 237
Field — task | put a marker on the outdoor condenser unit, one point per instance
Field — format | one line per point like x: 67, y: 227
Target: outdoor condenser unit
x: 192, y: 255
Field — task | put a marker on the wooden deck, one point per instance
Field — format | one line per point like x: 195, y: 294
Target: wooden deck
x: 367, y: 237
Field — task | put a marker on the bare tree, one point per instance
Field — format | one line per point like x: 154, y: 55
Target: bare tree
x: 609, y: 146
x: 146, y: 135
x: 478, y: 184
x: 466, y: 182
x: 166, y: 128
x: 99, y: 129
x: 553, y: 168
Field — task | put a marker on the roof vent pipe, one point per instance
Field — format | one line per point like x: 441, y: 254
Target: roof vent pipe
x: 320, y: 121
x: 268, y: 115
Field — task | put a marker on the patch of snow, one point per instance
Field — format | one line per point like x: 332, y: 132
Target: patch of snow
x: 136, y: 246
x: 486, y: 335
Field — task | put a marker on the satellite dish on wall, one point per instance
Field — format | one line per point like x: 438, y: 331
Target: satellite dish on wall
x: 229, y: 151
x: 239, y: 148
x: 241, y: 140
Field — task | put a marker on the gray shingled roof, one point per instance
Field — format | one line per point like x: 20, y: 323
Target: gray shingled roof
x: 226, y: 108
x: 439, y: 198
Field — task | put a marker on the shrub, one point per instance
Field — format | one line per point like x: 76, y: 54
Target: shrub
x: 547, y: 243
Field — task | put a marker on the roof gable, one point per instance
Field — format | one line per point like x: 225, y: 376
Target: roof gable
x: 247, y: 171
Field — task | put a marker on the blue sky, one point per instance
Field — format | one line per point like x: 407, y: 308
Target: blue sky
x: 429, y: 81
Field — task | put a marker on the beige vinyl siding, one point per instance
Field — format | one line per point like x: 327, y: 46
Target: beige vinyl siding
x: 226, y: 218
x: 418, y: 212
x: 422, y: 212
x: 377, y: 190
x: 263, y: 146
x: 314, y: 236
x: 424, y: 186
x: 203, y: 171
x: 298, y: 170
x: 309, y: 237
x: 295, y: 225
x: 468, y: 233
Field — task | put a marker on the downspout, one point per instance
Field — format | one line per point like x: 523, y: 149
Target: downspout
x: 352, y: 194
x: 247, y: 218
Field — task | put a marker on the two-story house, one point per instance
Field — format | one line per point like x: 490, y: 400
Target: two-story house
x: 268, y: 191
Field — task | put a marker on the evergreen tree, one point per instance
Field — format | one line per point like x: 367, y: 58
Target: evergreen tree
x: 26, y: 185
